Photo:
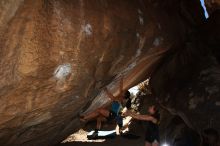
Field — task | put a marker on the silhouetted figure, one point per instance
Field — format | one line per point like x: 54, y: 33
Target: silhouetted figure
x: 152, y: 123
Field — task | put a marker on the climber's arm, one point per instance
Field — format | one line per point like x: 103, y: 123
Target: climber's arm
x: 141, y: 117
x: 121, y: 85
x: 112, y: 97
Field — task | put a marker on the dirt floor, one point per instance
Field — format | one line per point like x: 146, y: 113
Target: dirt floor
x: 80, y: 139
x: 117, y: 141
x: 134, y: 138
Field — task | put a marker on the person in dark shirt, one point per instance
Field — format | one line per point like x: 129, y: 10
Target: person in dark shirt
x: 152, y: 124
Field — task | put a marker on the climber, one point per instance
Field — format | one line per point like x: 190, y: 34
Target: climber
x: 152, y: 124
x: 103, y: 114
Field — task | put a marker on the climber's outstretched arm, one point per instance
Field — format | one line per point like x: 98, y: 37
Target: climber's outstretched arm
x: 121, y: 85
x: 112, y: 97
x: 141, y: 117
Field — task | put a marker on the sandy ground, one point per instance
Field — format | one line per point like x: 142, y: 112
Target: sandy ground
x: 118, y: 141
x: 80, y: 139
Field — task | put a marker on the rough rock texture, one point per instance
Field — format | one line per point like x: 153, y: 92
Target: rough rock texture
x: 212, y: 5
x: 187, y: 82
x: 56, y: 55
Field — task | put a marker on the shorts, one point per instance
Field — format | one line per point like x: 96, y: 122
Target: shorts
x: 114, y: 116
x: 152, y: 135
x: 119, y: 121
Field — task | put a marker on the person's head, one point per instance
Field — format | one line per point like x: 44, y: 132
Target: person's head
x: 127, y: 95
x: 152, y: 109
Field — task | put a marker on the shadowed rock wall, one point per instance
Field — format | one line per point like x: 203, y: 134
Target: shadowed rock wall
x: 187, y: 83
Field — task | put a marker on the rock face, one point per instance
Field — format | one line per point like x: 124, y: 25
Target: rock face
x: 56, y: 55
x: 187, y: 81
x: 212, y: 5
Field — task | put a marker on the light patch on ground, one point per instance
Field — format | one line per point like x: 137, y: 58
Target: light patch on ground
x: 87, y: 29
x: 81, y: 136
x: 62, y: 71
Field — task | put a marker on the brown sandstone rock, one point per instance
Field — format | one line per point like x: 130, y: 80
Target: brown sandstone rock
x: 56, y: 55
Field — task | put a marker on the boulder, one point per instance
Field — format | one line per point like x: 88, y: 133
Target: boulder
x: 57, y: 55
